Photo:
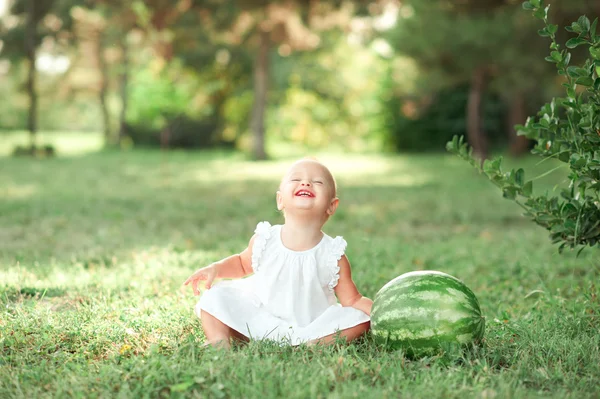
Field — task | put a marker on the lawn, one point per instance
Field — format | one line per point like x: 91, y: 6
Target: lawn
x: 94, y: 248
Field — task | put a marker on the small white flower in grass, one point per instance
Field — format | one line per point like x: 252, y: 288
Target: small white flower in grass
x: 131, y: 331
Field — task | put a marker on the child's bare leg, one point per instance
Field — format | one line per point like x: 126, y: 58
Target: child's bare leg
x: 349, y: 334
x: 239, y: 337
x: 217, y: 333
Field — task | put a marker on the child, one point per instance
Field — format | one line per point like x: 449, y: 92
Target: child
x: 297, y: 272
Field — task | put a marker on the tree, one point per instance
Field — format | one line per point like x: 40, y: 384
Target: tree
x: 487, y: 44
x: 112, y: 21
x: 30, y: 50
x: 293, y: 25
x: 30, y: 14
x: 89, y: 28
x: 474, y: 42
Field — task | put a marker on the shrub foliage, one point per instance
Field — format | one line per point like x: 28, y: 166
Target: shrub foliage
x: 568, y: 129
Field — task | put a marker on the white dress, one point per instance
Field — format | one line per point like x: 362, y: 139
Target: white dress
x: 289, y: 297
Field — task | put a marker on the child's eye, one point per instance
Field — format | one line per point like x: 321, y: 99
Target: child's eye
x: 318, y: 182
x: 295, y: 179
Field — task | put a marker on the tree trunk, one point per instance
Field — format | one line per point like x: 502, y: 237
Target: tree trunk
x: 123, y: 87
x: 475, y: 131
x: 261, y: 75
x: 518, y: 145
x: 102, y: 68
x: 30, y: 44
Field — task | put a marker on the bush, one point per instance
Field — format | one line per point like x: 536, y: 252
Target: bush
x: 180, y: 132
x: 567, y: 128
x: 45, y: 151
x: 436, y: 124
x: 171, y: 107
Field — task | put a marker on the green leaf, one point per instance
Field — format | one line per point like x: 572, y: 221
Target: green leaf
x: 528, y: 189
x: 582, y: 72
x: 574, y: 42
x: 575, y: 27
x: 577, y: 162
x: 535, y: 3
x: 528, y: 6
x: 593, y: 29
x: 584, y: 22
x: 490, y: 167
x: 595, y: 52
x: 571, y: 92
x: 539, y: 13
x: 544, y: 32
x: 552, y: 28
x: 545, y: 217
x: 585, y: 81
x: 571, y: 72
x: 509, y: 192
x: 556, y: 56
x: 567, y: 59
x: 519, y: 176
x: 563, y: 156
x: 574, y: 71
x: 585, y: 123
x: 452, y: 145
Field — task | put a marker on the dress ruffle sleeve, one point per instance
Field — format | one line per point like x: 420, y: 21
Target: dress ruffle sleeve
x: 263, y: 233
x: 338, y: 248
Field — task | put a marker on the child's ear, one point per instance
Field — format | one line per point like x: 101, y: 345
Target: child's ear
x: 279, y: 200
x: 333, y: 206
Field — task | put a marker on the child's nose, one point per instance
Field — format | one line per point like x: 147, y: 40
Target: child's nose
x: 305, y: 183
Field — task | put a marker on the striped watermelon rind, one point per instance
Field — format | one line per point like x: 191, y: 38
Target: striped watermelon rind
x: 425, y: 311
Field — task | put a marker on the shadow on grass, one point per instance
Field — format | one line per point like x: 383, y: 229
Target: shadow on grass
x: 184, y: 208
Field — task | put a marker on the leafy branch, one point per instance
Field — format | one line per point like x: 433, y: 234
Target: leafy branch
x: 567, y: 128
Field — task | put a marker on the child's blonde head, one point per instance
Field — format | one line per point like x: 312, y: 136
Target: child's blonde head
x: 326, y: 173
x: 319, y: 183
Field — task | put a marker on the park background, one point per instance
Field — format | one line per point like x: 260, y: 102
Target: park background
x: 141, y: 140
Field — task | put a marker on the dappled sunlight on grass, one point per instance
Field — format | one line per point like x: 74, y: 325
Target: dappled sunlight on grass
x: 143, y: 270
x: 12, y: 191
x: 377, y: 171
x: 94, y: 251
x: 65, y: 143
x: 354, y: 171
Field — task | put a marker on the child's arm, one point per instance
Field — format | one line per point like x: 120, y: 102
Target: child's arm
x: 346, y: 290
x: 234, y: 266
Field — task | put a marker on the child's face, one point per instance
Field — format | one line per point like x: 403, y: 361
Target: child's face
x: 308, y: 186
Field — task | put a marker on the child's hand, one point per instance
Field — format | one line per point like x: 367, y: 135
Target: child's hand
x: 207, y: 273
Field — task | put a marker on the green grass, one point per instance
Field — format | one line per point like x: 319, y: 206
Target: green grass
x: 93, y: 251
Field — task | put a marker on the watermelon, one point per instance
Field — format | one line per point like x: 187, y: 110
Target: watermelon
x: 424, y: 312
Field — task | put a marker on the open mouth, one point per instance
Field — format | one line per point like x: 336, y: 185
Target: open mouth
x: 304, y: 193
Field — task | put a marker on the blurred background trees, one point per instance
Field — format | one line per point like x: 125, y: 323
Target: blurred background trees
x: 400, y: 75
